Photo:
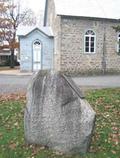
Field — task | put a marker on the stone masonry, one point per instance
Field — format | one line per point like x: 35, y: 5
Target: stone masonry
x: 73, y: 58
x: 69, y: 43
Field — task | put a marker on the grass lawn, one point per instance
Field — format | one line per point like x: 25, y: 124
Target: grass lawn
x: 106, y: 139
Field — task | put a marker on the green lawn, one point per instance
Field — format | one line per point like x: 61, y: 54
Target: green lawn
x: 106, y: 139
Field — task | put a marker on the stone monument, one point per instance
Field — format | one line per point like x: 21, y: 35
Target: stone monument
x: 57, y: 114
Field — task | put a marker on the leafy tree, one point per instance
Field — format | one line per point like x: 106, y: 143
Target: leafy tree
x: 11, y: 16
x: 116, y: 28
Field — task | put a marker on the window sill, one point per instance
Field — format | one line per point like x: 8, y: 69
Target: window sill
x: 89, y: 53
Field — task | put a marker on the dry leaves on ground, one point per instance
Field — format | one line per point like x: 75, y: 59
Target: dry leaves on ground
x: 13, y: 97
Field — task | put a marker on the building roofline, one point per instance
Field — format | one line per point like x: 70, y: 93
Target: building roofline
x: 85, y: 17
x: 51, y: 36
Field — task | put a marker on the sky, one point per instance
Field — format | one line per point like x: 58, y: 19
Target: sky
x: 89, y: 8
x: 110, y: 8
x: 35, y: 5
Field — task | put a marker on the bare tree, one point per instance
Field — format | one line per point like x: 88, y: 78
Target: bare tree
x: 11, y: 17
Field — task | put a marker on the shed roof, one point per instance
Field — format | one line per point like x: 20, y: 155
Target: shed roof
x: 25, y: 30
x: 109, y: 9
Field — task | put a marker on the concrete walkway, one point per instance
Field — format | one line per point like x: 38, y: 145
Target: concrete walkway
x: 14, y: 72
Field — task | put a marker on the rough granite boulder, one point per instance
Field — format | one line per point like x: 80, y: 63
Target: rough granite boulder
x: 57, y: 115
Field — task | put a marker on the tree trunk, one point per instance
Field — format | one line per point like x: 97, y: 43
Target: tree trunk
x: 12, y: 58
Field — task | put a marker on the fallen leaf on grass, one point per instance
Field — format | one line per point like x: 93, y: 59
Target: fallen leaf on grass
x: 114, y: 152
x: 12, y: 146
x: 58, y: 153
x: 16, y: 124
x: 1, y: 135
x: 42, y: 148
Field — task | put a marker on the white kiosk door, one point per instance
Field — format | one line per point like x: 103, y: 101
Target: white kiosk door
x: 36, y: 55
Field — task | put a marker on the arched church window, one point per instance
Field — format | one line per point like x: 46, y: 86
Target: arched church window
x: 89, y: 43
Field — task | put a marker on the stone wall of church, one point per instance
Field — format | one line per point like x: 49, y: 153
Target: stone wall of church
x: 73, y: 59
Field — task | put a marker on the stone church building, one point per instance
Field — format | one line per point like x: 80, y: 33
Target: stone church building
x: 84, y: 38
